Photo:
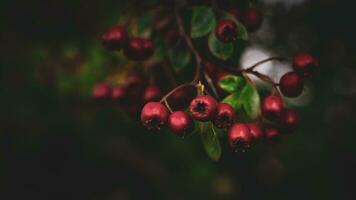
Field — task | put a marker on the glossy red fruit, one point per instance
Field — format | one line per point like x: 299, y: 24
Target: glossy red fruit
x: 119, y: 94
x: 291, y: 84
x: 289, y: 120
x: 252, y: 18
x: 239, y: 137
x: 101, y: 91
x: 255, y: 130
x: 272, y: 134
x: 152, y: 93
x: 306, y: 65
x: 180, y: 123
x: 272, y: 107
x: 154, y: 115
x: 203, y: 108
x: 226, y: 31
x: 139, y: 49
x: 115, y: 38
x: 225, y: 115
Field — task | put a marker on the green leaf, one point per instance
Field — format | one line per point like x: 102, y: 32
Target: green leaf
x: 210, y: 140
x: 232, y: 83
x: 143, y: 27
x: 203, y: 21
x: 251, y: 101
x: 179, y: 59
x: 219, y: 49
x: 234, y: 100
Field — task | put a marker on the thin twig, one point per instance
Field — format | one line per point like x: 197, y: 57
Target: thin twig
x: 175, y: 89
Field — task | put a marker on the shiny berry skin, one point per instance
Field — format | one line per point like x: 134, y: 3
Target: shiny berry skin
x: 252, y: 19
x: 289, y: 120
x: 226, y: 31
x: 306, y: 65
x: 224, y: 116
x: 154, y: 115
x: 119, y: 94
x: 272, y: 107
x: 239, y: 137
x: 203, y: 108
x: 115, y: 38
x: 291, y: 84
x: 152, y: 93
x: 180, y: 123
x: 271, y: 134
x: 101, y: 91
x: 255, y: 130
x: 139, y: 49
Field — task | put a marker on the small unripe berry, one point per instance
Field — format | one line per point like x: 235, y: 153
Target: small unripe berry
x: 152, y: 93
x: 272, y: 107
x: 115, y: 38
x: 239, y: 137
x: 289, y: 120
x: 139, y: 49
x: 101, y: 91
x: 119, y: 94
x: 224, y: 116
x: 255, y: 131
x: 252, y: 19
x: 291, y: 84
x: 154, y: 115
x: 226, y: 31
x: 272, y: 134
x: 306, y: 65
x: 203, y: 108
x: 180, y: 123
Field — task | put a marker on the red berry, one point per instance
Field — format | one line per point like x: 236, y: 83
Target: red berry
x: 239, y: 137
x: 152, y: 93
x: 154, y: 115
x: 181, y: 98
x: 272, y: 107
x: 255, y: 131
x: 291, y: 84
x: 101, y: 91
x: 306, y: 65
x: 289, y: 119
x: 252, y: 19
x: 119, y: 94
x: 226, y: 31
x: 180, y: 123
x: 139, y: 49
x: 115, y: 38
x: 224, y: 116
x: 272, y: 134
x: 203, y: 108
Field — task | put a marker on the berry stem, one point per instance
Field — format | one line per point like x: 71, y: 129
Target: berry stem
x: 168, y: 106
x: 164, y: 98
x: 266, y: 79
x: 262, y: 62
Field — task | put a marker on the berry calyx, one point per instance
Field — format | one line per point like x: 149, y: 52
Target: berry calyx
x: 255, y: 131
x: 306, y: 65
x: 115, y: 38
x: 239, y: 137
x: 226, y: 31
x: 272, y: 107
x: 101, y: 91
x: 203, y: 108
x: 180, y: 123
x: 252, y: 19
x: 139, y: 49
x: 152, y: 93
x: 289, y: 120
x: 119, y: 94
x: 154, y: 115
x: 291, y: 84
x: 224, y: 116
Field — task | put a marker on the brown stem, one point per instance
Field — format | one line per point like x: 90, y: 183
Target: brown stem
x: 263, y: 61
x: 266, y: 79
x: 175, y: 89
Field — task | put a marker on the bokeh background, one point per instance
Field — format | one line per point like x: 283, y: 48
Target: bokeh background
x: 57, y: 143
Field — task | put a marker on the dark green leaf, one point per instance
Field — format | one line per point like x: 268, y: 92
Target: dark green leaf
x: 210, y: 140
x: 220, y: 49
x: 232, y: 83
x: 143, y: 27
x: 234, y: 100
x: 179, y: 59
x: 251, y: 101
x: 203, y: 21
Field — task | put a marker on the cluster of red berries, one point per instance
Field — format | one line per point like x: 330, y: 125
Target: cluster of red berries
x: 135, y: 48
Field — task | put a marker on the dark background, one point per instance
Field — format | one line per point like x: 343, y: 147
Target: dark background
x: 56, y: 143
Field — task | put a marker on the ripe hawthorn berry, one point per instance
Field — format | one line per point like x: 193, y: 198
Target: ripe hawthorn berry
x: 203, y: 108
x: 224, y: 116
x: 252, y: 19
x: 180, y: 123
x: 272, y: 107
x: 291, y: 84
x: 255, y: 130
x: 289, y: 120
x: 139, y: 49
x: 152, y: 93
x: 226, y: 31
x: 271, y: 134
x: 115, y: 38
x: 154, y: 115
x: 306, y: 65
x: 101, y: 91
x: 119, y: 94
x: 239, y: 137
